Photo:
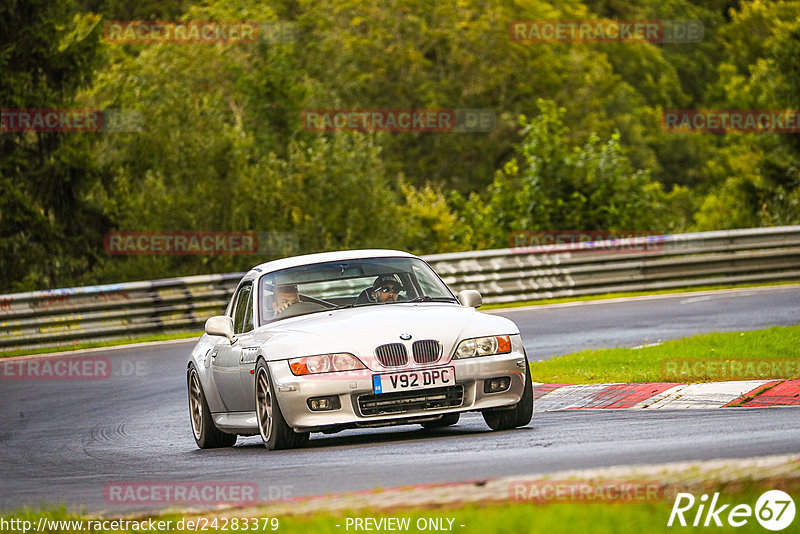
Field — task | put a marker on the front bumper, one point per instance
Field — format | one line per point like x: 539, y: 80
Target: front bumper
x: 355, y: 393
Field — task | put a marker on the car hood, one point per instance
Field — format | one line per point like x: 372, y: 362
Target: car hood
x: 359, y: 330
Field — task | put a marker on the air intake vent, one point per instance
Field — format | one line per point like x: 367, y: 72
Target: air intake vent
x: 426, y: 350
x: 392, y: 355
x: 411, y: 401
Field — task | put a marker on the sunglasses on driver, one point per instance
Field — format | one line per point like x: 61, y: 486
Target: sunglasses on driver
x: 389, y: 289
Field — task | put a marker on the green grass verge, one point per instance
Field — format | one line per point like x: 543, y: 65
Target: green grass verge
x: 513, y: 518
x: 683, y: 360
x: 98, y: 344
x: 605, y: 296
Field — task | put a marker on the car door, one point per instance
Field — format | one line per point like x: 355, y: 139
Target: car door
x: 227, y: 356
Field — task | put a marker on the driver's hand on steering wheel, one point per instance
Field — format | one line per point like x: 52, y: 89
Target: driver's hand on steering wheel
x: 282, y: 306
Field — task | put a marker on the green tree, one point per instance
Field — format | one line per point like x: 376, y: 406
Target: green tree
x: 552, y: 183
x: 217, y: 153
x: 49, y: 222
x: 427, y: 224
x: 406, y: 53
x: 757, y: 175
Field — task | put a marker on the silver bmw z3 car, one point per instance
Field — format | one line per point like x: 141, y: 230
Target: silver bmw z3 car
x: 352, y: 339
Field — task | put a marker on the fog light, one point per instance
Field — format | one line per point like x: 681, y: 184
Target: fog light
x: 494, y: 385
x: 322, y: 404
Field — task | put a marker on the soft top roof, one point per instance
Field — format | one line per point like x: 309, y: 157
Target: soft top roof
x: 323, y: 257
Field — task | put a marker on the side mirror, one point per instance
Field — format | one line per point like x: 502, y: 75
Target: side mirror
x: 470, y: 298
x: 220, y: 325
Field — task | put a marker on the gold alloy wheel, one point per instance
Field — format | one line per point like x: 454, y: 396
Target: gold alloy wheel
x: 195, y: 404
x: 264, y: 405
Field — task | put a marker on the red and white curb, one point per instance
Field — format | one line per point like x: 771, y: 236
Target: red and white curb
x: 666, y: 395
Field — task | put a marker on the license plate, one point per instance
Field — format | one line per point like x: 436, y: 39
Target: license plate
x: 411, y: 380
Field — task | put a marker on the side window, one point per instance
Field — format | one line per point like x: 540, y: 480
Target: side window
x: 243, y: 310
x: 248, y: 314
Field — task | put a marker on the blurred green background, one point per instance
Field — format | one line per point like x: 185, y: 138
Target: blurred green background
x: 578, y: 143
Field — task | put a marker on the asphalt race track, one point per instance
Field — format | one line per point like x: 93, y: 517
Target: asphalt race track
x: 63, y: 441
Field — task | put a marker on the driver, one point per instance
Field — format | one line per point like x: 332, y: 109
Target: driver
x: 386, y: 288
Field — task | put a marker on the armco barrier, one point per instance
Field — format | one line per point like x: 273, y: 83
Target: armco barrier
x: 61, y: 317
x: 68, y: 316
x: 680, y: 260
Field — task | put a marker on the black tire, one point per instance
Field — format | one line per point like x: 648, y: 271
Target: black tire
x: 274, y: 431
x: 448, y: 419
x: 206, y: 434
x: 520, y: 414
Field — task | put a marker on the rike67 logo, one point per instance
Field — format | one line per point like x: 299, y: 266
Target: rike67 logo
x: 774, y: 510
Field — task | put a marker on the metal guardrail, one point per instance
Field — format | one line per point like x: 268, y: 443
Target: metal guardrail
x: 61, y: 317
x: 651, y: 263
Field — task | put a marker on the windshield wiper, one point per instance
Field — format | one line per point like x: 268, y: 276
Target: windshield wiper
x: 428, y: 298
x: 422, y: 298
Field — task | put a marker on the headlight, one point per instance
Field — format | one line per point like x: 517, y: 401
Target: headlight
x: 325, y: 363
x: 483, y: 346
x: 318, y: 364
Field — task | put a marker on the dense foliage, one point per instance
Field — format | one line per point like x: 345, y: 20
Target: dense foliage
x: 577, y: 145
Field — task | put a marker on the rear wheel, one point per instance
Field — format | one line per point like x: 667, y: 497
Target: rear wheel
x: 446, y: 420
x: 274, y: 431
x: 520, y: 414
x: 206, y: 434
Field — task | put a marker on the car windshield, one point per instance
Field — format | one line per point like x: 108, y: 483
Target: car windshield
x: 350, y: 283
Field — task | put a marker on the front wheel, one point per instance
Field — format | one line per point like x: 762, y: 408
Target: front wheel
x: 206, y: 433
x: 274, y: 431
x: 520, y: 414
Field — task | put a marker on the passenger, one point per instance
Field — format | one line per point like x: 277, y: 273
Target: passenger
x: 283, y: 297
